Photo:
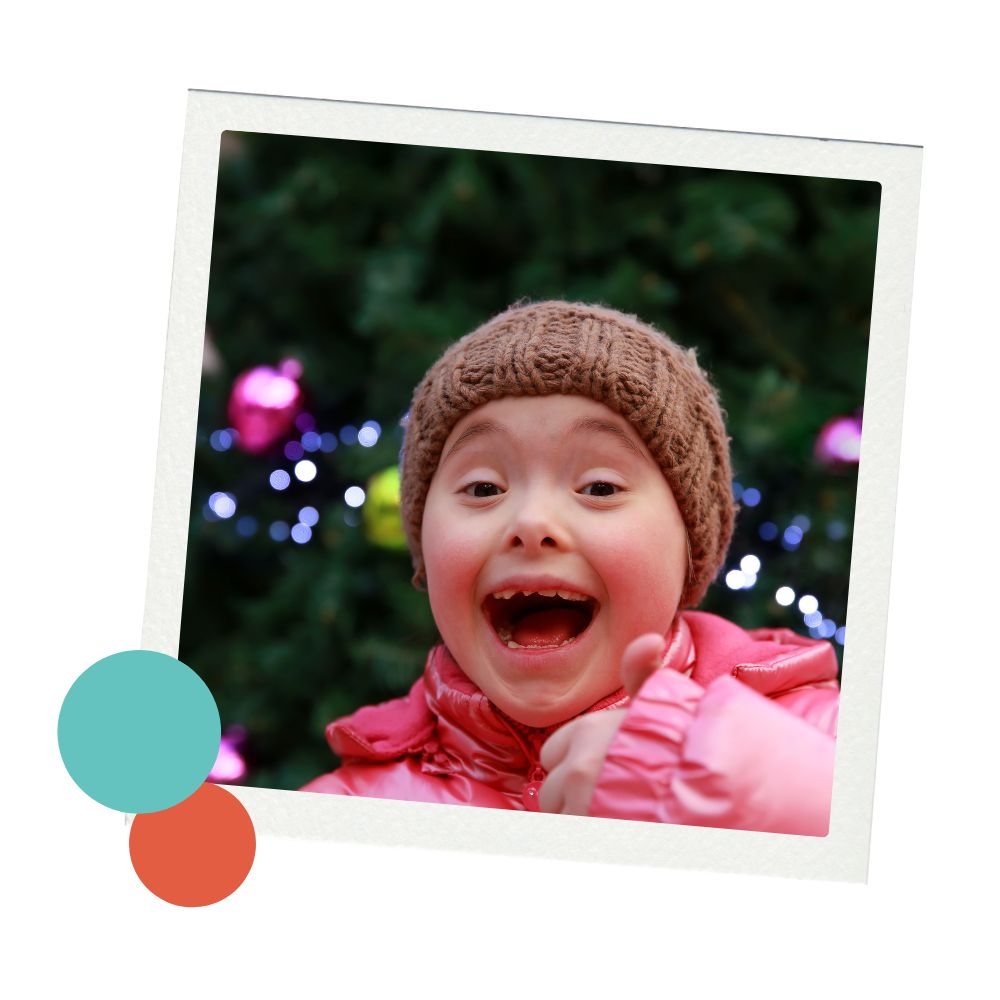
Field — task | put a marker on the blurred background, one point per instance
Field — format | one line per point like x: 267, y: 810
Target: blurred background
x: 341, y: 270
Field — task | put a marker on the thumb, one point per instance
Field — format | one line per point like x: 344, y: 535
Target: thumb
x: 643, y: 656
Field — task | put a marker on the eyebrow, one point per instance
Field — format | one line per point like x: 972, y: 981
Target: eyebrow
x: 585, y: 425
x: 599, y: 426
x: 479, y: 429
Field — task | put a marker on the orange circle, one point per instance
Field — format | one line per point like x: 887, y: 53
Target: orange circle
x: 196, y: 852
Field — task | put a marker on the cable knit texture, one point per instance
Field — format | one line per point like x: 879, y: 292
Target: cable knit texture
x: 571, y: 348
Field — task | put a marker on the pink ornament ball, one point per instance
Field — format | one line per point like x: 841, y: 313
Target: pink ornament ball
x: 839, y: 441
x: 263, y: 405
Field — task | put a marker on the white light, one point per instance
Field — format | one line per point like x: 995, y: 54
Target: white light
x: 354, y: 496
x: 784, y: 596
x: 808, y: 604
x: 750, y: 565
x: 305, y: 471
x: 301, y: 533
x: 367, y: 436
x: 223, y: 504
x: 309, y: 516
x: 735, y: 580
x: 280, y: 479
x: 749, y: 580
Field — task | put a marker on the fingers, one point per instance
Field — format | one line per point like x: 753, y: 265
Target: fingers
x: 555, y: 747
x: 573, y: 757
x: 643, y: 656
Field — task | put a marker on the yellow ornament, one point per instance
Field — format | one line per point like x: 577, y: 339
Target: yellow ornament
x: 383, y: 525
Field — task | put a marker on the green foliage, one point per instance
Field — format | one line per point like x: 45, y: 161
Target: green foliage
x: 364, y: 260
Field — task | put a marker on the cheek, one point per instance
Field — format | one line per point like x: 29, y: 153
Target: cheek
x: 452, y: 555
x: 644, y: 567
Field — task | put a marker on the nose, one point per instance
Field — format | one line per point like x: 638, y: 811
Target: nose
x: 536, y: 525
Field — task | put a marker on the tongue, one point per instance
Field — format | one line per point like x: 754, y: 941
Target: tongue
x: 549, y: 627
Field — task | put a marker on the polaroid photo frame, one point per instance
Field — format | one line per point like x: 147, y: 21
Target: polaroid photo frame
x: 843, y: 853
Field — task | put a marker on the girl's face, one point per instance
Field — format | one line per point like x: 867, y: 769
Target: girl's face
x: 556, y: 498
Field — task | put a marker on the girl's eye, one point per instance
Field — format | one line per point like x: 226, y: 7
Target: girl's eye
x: 482, y: 490
x: 599, y: 489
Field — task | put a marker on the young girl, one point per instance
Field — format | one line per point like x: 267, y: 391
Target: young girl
x: 566, y: 494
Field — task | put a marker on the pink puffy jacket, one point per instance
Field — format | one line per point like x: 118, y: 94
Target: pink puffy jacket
x: 736, y: 731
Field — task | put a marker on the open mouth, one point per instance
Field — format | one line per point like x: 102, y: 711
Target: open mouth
x: 544, y: 619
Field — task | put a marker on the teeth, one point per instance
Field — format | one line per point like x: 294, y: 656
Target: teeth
x: 511, y: 644
x: 566, y: 595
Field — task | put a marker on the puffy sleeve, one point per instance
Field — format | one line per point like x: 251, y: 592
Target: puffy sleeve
x: 722, y: 756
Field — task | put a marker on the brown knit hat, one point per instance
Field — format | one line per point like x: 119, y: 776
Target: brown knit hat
x: 545, y: 348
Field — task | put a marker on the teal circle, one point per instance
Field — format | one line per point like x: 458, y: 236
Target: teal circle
x: 139, y: 731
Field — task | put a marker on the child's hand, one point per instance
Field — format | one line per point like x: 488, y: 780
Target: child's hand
x: 574, y: 754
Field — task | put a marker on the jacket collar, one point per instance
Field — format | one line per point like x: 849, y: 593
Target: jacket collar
x: 455, y: 728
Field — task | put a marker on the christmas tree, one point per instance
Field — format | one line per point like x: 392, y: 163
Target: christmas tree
x: 341, y: 270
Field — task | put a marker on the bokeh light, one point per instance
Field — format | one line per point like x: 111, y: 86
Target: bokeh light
x: 278, y: 531
x: 301, y: 533
x: 328, y: 441
x: 751, y: 497
x: 279, y: 479
x: 369, y: 434
x: 354, y: 496
x: 808, y: 604
x: 305, y: 471
x: 349, y: 434
x: 735, y: 579
x: 223, y: 505
x: 311, y: 441
x: 768, y: 531
x: 246, y: 526
x: 750, y: 564
x: 293, y: 451
x: 812, y: 619
x: 309, y: 516
x: 784, y: 596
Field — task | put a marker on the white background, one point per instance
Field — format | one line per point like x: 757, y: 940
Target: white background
x: 94, y: 98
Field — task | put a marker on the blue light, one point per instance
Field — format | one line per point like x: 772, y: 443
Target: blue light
x: 309, y: 516
x: 737, y: 490
x: 349, y: 434
x: 278, y: 531
x: 768, y: 531
x: 279, y: 479
x: 841, y: 634
x: 301, y: 533
x: 827, y: 628
x: 813, y: 619
x: 223, y: 505
x: 369, y: 434
x: 311, y: 441
x: 792, y: 535
x: 293, y: 451
x: 246, y: 526
x: 751, y: 497
x: 221, y: 440
x: 802, y: 521
x: 328, y: 441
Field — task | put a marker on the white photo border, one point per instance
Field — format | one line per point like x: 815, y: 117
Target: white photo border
x: 843, y: 853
